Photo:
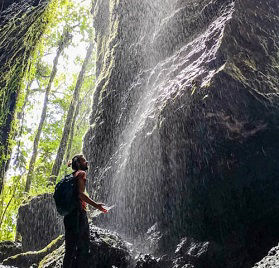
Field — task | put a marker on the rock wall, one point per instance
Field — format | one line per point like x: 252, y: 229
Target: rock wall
x: 271, y: 260
x: 184, y: 125
x: 21, y: 26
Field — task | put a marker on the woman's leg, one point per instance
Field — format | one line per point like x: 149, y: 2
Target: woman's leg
x: 71, y: 238
x: 83, y: 241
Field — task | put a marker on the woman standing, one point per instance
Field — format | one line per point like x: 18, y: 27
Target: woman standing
x: 76, y: 223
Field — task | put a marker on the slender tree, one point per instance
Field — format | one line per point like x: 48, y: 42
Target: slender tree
x: 73, y: 126
x: 72, y: 132
x: 64, y: 41
x: 67, y: 127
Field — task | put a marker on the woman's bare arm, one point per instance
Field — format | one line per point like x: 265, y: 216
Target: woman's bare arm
x: 84, y: 197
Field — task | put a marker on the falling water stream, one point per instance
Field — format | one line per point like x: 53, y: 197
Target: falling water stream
x: 136, y: 167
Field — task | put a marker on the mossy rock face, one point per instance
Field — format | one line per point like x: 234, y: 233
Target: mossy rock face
x: 184, y: 129
x: 32, y: 258
x: 21, y: 26
x: 9, y: 248
x: 54, y: 259
x: 107, y: 249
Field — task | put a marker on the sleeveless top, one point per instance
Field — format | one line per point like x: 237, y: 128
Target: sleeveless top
x: 81, y: 175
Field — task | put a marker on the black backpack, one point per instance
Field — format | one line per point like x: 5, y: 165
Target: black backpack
x: 65, y: 195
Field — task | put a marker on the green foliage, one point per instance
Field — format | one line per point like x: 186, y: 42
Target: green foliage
x: 10, y: 201
x: 76, y: 17
x: 20, y: 39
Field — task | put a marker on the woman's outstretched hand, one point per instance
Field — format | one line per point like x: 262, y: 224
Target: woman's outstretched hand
x: 100, y: 207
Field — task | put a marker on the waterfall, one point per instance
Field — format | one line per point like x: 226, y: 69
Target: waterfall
x: 182, y: 112
x: 136, y: 167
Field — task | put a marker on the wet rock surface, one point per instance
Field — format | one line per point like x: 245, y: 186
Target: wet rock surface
x: 9, y: 248
x: 185, y: 121
x: 107, y: 250
x: 189, y: 253
x: 39, y: 223
x: 269, y: 261
x: 32, y: 258
x: 149, y: 261
x: 196, y: 254
x: 154, y: 239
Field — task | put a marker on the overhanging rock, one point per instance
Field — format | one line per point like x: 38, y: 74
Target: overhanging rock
x: 184, y: 128
x: 21, y: 25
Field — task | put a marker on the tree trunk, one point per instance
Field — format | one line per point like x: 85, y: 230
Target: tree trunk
x: 63, y: 43
x: 72, y: 132
x: 11, y: 199
x: 67, y: 127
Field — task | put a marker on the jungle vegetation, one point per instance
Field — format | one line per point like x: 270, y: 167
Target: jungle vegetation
x: 54, y: 108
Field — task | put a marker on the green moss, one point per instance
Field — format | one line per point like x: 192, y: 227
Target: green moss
x: 250, y: 63
x: 235, y: 72
x: 53, y: 256
x: 28, y: 258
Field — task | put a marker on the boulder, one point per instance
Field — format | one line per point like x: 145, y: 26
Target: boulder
x: 107, y: 250
x: 38, y: 222
x: 32, y: 258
